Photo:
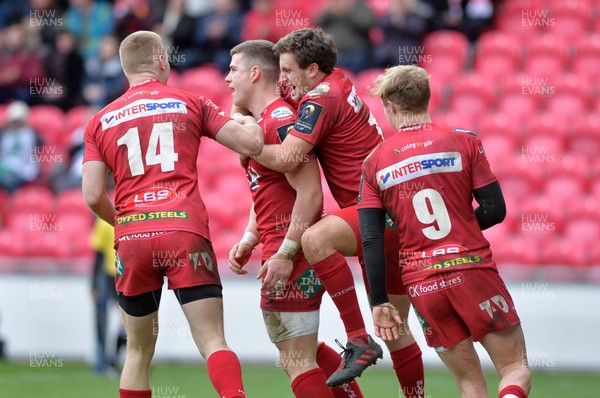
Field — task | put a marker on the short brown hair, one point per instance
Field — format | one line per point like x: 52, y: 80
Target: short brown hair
x: 259, y: 53
x: 139, y: 51
x: 309, y: 45
x: 406, y: 86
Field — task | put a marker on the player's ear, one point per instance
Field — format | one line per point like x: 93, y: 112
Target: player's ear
x: 313, y: 69
x: 255, y: 73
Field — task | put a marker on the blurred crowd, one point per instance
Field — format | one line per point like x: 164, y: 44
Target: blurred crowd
x: 65, y: 52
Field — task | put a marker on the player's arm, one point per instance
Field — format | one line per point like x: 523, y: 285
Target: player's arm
x: 306, y: 180
x: 386, y: 317
x: 243, y: 135
x: 285, y: 157
x: 491, y: 209
x: 94, y: 174
x: 241, y: 252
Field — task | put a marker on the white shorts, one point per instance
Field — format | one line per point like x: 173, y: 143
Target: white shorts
x: 287, y: 325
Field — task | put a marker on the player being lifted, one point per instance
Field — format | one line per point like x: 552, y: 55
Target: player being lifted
x: 451, y: 277
x: 284, y: 206
x: 338, y: 126
x: 149, y: 139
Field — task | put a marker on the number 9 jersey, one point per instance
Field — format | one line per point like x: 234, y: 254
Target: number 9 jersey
x: 423, y: 176
x: 149, y: 138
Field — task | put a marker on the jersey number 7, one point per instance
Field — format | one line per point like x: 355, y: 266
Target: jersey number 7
x: 162, y: 134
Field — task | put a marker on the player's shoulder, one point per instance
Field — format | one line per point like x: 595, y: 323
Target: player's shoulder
x: 459, y: 130
x: 280, y: 110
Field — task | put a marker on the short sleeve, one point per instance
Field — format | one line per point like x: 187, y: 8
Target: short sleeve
x: 368, y: 195
x: 481, y: 172
x: 91, y: 151
x: 213, y: 118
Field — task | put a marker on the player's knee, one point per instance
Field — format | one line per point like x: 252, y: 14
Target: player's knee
x: 310, y: 243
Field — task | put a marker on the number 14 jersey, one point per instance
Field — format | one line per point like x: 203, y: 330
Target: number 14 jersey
x: 423, y: 176
x: 149, y: 138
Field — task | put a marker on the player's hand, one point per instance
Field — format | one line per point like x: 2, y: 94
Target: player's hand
x: 276, y: 272
x: 239, y: 256
x: 243, y: 119
x: 386, y: 320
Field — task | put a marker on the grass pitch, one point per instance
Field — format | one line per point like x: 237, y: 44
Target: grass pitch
x: 76, y: 380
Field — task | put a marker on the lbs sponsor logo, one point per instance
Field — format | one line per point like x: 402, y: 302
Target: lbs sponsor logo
x: 421, y: 289
x: 152, y: 197
x: 438, y: 251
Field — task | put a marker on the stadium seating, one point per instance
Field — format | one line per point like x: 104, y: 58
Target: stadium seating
x: 473, y: 94
x: 586, y: 60
x: 49, y: 123
x: 497, y: 54
x: 447, y: 51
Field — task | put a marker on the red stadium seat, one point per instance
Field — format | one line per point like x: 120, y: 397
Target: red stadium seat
x: 49, y: 122
x: 72, y: 201
x: 583, y: 230
x: 32, y: 199
x: 206, y: 81
x: 366, y: 79
x: 517, y: 178
x: 497, y: 55
x: 520, y: 98
x: 447, y: 51
x: 571, y: 18
x: 499, y: 124
x: 12, y: 244
x: 570, y: 100
x: 499, y: 148
x: 586, y: 61
x: 585, y: 137
x: 546, y: 56
x: 78, y: 117
x: 520, y: 17
x: 471, y: 93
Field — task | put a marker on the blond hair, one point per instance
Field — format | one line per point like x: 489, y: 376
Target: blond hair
x: 139, y: 52
x: 406, y: 86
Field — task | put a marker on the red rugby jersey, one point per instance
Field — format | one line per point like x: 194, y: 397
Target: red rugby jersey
x: 424, y: 177
x: 334, y: 119
x: 149, y: 138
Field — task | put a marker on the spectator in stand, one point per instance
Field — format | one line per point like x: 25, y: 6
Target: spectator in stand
x: 349, y: 22
x: 217, y: 32
x: 89, y: 21
x: 12, y: 12
x: 133, y: 15
x: 261, y: 22
x: 472, y: 17
x: 17, y: 143
x: 20, y: 66
x: 46, y: 17
x: 177, y: 29
x: 403, y: 30
x: 65, y: 66
x: 105, y: 78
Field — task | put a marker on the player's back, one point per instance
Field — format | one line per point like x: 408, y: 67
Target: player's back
x: 425, y: 177
x: 149, y: 138
x: 340, y: 125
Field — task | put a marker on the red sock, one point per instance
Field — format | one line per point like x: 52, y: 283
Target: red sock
x: 514, y: 390
x: 329, y: 361
x: 311, y: 384
x: 225, y: 373
x: 408, y: 364
x: 337, y: 279
x: 134, y: 393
